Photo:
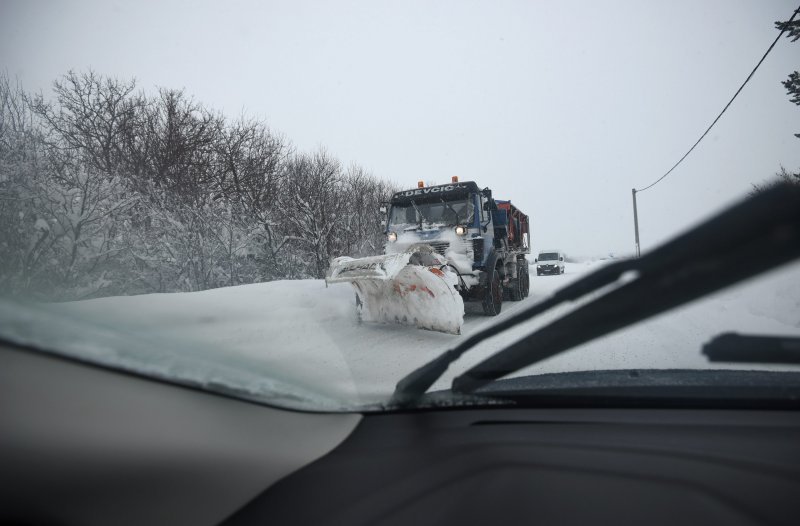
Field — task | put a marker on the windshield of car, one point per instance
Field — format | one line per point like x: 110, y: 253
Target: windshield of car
x: 203, y: 193
x: 449, y: 213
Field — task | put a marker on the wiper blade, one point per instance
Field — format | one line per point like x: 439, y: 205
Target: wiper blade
x: 417, y: 382
x: 749, y: 348
x: 421, y: 216
x: 748, y: 239
x: 448, y: 205
x: 754, y: 236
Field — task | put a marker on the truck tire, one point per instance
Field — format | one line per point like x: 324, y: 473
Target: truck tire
x: 515, y: 286
x: 525, y: 280
x: 493, y: 295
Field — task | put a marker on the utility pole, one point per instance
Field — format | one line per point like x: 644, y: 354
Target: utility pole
x: 635, y: 223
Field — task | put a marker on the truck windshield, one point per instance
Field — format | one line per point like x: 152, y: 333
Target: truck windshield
x: 548, y: 256
x: 437, y: 213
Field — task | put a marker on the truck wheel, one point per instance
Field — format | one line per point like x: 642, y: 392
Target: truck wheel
x: 493, y: 296
x: 515, y: 291
x: 525, y: 280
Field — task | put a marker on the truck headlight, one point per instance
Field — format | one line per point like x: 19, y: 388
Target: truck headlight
x: 461, y: 230
x: 391, y: 236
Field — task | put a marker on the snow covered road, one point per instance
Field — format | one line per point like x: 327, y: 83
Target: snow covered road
x: 301, y: 332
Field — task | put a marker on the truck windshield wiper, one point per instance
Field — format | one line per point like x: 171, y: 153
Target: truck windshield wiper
x: 752, y: 237
x: 752, y: 348
x: 419, y: 212
x: 447, y: 204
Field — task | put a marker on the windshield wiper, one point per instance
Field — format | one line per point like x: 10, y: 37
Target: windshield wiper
x: 452, y: 210
x: 749, y: 348
x: 421, y: 216
x: 752, y: 237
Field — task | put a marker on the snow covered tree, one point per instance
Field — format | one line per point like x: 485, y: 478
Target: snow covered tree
x: 364, y: 195
x: 20, y: 153
x: 312, y: 205
x: 59, y: 230
x: 78, y: 221
x: 107, y: 190
x: 251, y: 176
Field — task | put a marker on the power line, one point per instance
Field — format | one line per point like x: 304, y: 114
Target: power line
x: 726, y: 106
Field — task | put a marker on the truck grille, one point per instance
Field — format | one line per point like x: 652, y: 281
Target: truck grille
x: 439, y: 246
x: 477, y: 249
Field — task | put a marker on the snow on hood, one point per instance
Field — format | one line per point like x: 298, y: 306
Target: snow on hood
x: 147, y: 335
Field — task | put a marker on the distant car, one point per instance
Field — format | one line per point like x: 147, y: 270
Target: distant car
x: 550, y: 262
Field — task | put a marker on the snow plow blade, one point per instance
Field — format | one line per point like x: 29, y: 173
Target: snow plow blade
x: 409, y: 288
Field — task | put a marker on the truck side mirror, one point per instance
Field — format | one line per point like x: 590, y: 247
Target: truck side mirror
x: 561, y: 258
x: 535, y: 260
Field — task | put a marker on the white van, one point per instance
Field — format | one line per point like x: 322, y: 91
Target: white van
x: 549, y: 262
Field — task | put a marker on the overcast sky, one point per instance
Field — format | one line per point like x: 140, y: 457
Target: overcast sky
x: 562, y: 107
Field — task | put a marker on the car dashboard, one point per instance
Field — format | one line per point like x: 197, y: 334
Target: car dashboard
x: 80, y: 444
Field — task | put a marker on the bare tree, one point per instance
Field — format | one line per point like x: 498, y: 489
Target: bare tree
x: 179, y: 140
x: 782, y: 176
x: 90, y: 115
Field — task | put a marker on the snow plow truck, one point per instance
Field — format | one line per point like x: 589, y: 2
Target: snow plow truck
x: 445, y: 244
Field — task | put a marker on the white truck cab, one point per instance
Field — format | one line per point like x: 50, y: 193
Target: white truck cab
x: 549, y: 262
